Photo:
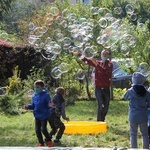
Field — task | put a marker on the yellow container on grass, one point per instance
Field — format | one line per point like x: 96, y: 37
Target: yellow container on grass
x: 85, y: 127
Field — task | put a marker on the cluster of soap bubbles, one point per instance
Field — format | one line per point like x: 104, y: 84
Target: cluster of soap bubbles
x: 130, y: 11
x: 113, y: 34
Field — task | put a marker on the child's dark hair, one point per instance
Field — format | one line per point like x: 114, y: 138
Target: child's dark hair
x: 60, y: 90
x: 39, y: 82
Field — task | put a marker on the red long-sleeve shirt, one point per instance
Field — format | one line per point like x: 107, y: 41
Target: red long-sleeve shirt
x: 103, y: 72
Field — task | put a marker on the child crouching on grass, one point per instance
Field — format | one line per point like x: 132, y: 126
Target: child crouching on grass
x: 40, y: 107
x: 139, y: 101
x: 56, y: 112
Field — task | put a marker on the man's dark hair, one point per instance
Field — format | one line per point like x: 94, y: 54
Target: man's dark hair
x: 39, y: 82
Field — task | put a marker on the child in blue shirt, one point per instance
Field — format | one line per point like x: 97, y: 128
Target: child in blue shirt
x: 139, y: 101
x: 40, y: 106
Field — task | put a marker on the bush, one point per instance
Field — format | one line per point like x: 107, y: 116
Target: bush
x: 9, y: 105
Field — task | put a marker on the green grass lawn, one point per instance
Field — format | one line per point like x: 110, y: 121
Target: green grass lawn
x: 19, y: 130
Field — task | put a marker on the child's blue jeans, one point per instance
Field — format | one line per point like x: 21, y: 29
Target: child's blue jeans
x: 133, y: 134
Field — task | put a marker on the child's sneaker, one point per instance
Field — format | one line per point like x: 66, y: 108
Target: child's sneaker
x: 50, y: 144
x: 40, y: 145
x: 57, y: 142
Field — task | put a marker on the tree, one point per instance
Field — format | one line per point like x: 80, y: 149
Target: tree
x: 58, y: 23
x: 5, y: 6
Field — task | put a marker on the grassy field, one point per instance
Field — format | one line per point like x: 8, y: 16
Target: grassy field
x: 19, y: 130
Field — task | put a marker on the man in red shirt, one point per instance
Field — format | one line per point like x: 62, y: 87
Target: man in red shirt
x: 102, y: 81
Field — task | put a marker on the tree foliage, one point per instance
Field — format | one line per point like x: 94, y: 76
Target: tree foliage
x: 5, y: 6
x: 31, y: 56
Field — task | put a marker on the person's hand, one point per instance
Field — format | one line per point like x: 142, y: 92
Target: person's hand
x: 26, y: 107
x: 94, y: 61
x: 67, y: 119
x: 51, y: 104
x: 75, y: 51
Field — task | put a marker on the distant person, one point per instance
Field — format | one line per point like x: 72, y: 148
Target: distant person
x: 102, y: 80
x: 40, y: 106
x: 149, y: 124
x: 139, y: 101
x: 57, y: 111
x: 149, y: 120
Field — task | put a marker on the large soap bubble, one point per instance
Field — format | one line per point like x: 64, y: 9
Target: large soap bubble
x: 129, y: 8
x: 64, y: 67
x: 89, y: 51
x: 55, y: 72
x: 129, y: 40
x: 78, y: 40
x: 143, y: 68
x: 39, y: 31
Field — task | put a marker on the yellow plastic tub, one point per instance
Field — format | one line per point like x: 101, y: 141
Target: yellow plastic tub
x: 85, y: 127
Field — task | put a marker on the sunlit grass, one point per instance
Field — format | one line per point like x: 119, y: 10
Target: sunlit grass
x: 19, y: 130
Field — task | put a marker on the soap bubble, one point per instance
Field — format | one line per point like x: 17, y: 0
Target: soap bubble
x: 30, y: 92
x: 32, y: 39
x: 55, y: 11
x: 80, y: 75
x: 49, y: 21
x: 4, y: 36
x: 64, y: 12
x: 143, y: 68
x: 103, y: 23
x: 64, y: 67
x: 103, y: 11
x: 55, y: 72
x: 31, y: 26
x: 128, y: 40
x: 133, y: 16
x: 61, y: 21
x: 67, y: 41
x: 103, y: 39
x: 3, y: 91
x: 94, y: 10
x: 57, y: 49
x: 39, y: 31
x: 129, y: 9
x: 117, y: 10
x: 78, y: 40
x: 89, y: 51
